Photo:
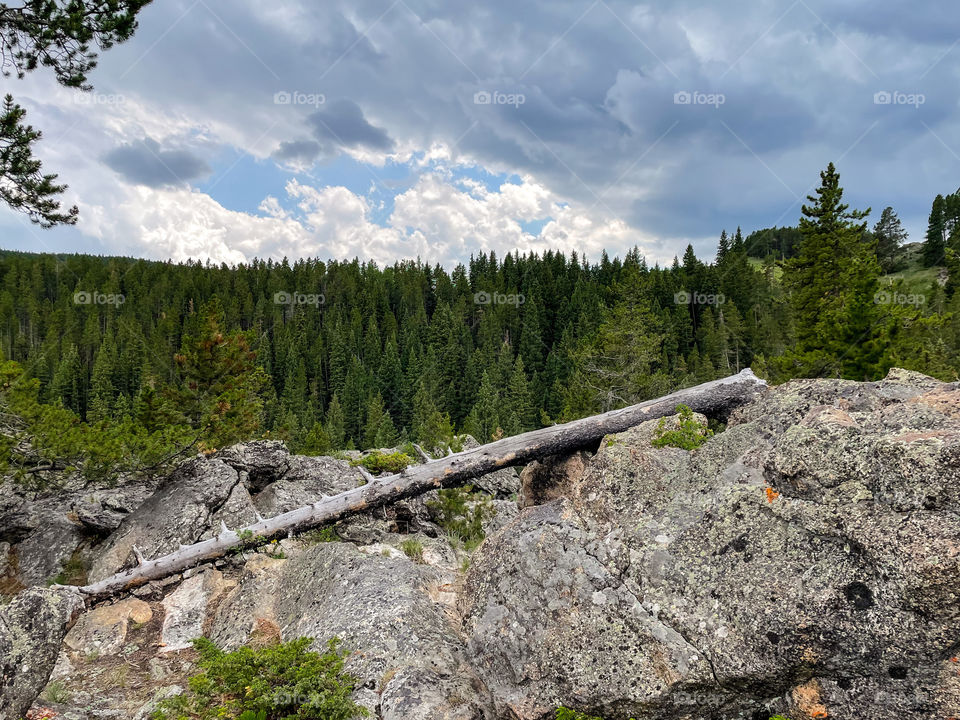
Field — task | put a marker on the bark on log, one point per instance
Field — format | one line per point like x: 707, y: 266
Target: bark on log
x: 712, y: 399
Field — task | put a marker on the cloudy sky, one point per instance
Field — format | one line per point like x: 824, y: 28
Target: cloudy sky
x: 389, y: 129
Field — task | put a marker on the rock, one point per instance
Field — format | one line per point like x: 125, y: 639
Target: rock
x: 103, y: 630
x: 186, y: 609
x: 804, y: 561
x: 102, y: 511
x: 501, y: 485
x: 181, y: 510
x: 262, y: 461
x: 164, y: 693
x: 31, y: 630
x: 306, y: 480
x: 551, y: 478
x: 503, y: 512
x: 43, y: 555
x: 405, y: 650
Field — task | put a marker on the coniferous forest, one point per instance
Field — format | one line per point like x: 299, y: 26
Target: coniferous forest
x: 128, y: 363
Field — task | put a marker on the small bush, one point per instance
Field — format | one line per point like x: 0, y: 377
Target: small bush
x: 378, y: 462
x: 327, y: 533
x: 56, y: 692
x: 461, y: 512
x: 413, y: 549
x: 568, y: 714
x: 285, y: 681
x: 689, y: 435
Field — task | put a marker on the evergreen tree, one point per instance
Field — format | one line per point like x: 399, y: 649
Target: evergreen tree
x: 890, y: 235
x: 833, y: 281
x: 934, y: 247
x: 333, y: 428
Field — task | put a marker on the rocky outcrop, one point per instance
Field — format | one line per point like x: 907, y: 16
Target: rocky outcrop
x: 804, y: 561
x: 31, y: 630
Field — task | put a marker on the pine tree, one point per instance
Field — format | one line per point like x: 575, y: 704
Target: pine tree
x: 889, y: 235
x: 833, y: 281
x: 934, y: 247
x: 723, y: 248
x: 336, y: 435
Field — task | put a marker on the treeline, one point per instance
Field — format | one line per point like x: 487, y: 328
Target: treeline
x: 332, y: 355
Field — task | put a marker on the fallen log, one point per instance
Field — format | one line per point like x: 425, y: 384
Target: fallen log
x: 712, y: 399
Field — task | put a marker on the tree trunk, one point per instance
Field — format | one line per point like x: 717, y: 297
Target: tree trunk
x: 715, y: 398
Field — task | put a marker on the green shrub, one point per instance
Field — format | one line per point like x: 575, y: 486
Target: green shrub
x: 461, y: 512
x: 568, y: 714
x: 378, y: 462
x: 286, y: 681
x: 689, y: 435
x: 328, y: 533
x: 413, y: 549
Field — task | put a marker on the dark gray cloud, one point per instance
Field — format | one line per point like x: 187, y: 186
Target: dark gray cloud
x: 342, y: 122
x: 147, y: 163
x: 297, y: 152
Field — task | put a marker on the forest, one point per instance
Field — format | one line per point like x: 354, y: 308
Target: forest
x: 125, y: 364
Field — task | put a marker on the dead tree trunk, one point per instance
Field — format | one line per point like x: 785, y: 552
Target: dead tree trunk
x: 712, y: 398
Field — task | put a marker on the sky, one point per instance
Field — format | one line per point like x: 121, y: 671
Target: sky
x: 403, y: 129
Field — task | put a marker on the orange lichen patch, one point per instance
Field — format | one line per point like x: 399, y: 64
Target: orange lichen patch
x: 807, y: 699
x: 771, y: 494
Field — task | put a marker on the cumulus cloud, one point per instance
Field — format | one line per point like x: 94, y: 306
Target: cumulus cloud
x: 600, y: 131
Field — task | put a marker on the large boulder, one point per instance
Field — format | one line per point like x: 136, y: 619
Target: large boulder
x: 187, y: 506
x: 804, y: 561
x: 31, y: 630
x: 405, y: 648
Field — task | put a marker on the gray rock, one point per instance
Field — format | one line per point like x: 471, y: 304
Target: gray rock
x: 262, y: 461
x: 804, y: 561
x: 44, y: 553
x: 306, y: 480
x: 405, y: 648
x: 102, y: 511
x: 181, y: 510
x: 186, y: 609
x: 31, y: 630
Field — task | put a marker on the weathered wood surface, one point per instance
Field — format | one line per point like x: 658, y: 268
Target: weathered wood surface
x: 712, y: 398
